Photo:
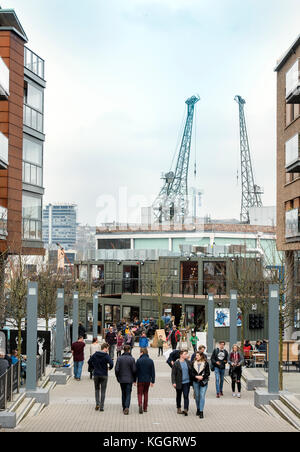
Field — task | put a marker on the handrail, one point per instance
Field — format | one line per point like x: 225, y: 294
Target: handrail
x: 9, y: 383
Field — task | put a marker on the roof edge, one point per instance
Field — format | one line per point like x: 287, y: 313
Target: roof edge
x: 20, y: 32
x: 288, y: 53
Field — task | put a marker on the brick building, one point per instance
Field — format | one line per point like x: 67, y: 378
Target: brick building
x: 22, y: 139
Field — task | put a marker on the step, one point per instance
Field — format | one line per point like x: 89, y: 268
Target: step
x: 24, y: 409
x: 15, y: 405
x: 292, y: 403
x: 36, y: 409
x: 285, y: 413
x: 270, y: 411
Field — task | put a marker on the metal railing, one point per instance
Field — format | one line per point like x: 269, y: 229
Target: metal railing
x: 34, y: 63
x: 168, y: 287
x: 9, y: 384
x: 33, y: 118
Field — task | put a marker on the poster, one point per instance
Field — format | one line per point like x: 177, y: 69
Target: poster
x: 222, y: 317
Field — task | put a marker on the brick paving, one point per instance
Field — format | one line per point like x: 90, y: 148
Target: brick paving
x: 72, y: 409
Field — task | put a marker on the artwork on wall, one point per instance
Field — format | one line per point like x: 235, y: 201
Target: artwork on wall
x: 222, y: 317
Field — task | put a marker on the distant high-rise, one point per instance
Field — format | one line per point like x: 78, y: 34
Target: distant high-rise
x: 59, y: 225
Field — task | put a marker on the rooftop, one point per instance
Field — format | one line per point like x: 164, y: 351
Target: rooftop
x: 9, y: 21
x: 288, y: 53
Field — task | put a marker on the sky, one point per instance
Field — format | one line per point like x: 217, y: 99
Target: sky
x: 118, y: 73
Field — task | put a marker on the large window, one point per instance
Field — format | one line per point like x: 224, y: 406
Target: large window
x: 113, y: 244
x: 214, y: 278
x: 292, y: 224
x: 292, y: 150
x: 32, y: 162
x: 32, y: 217
x: 292, y: 78
x: 33, y: 106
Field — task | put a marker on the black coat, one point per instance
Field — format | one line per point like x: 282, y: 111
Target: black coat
x: 177, y: 373
x: 99, y: 362
x: 214, y: 358
x: 145, y: 370
x: 205, y: 373
x: 125, y: 369
x: 173, y: 357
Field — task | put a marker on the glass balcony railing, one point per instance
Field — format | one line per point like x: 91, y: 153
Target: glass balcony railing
x: 292, y: 87
x: 33, y: 118
x: 32, y: 229
x: 34, y: 63
x: 292, y: 224
x: 292, y: 154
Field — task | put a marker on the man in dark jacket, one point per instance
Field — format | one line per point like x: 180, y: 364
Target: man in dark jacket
x: 219, y: 359
x: 125, y: 371
x: 174, y: 355
x: 145, y: 373
x: 174, y: 337
x: 182, y: 380
x: 111, y: 340
x: 99, y: 362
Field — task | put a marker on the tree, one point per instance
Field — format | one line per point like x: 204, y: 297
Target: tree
x: 48, y: 283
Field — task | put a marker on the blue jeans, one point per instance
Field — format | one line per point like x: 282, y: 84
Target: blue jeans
x: 78, y: 369
x: 200, y: 393
x: 219, y: 373
x: 185, y: 390
x: 126, y: 389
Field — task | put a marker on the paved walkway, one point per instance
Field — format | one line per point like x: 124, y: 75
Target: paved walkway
x: 72, y: 409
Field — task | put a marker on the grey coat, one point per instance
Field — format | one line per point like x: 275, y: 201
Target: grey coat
x: 125, y: 369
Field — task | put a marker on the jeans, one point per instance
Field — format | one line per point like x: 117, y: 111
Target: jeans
x: 78, y: 369
x: 160, y: 351
x: 100, y: 382
x: 185, y: 390
x: 112, y: 351
x: 219, y: 374
x: 174, y: 345
x: 200, y: 393
x: 143, y: 390
x: 126, y: 389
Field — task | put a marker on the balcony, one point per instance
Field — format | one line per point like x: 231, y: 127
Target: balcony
x: 34, y: 63
x: 292, y: 225
x: 4, y: 80
x: 33, y: 118
x: 3, y: 151
x: 3, y: 223
x: 292, y: 93
x: 292, y: 155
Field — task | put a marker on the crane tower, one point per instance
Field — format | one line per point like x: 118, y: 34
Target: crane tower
x: 171, y: 203
x: 251, y: 193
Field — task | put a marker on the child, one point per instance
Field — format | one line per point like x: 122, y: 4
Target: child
x: 194, y: 340
x: 160, y: 344
x: 120, y: 343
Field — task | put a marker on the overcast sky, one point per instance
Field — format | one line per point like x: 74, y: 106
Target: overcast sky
x: 118, y: 73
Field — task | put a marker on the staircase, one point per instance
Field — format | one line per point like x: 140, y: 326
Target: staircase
x: 286, y: 407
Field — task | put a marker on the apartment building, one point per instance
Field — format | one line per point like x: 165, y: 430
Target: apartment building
x: 22, y: 84
x: 59, y: 225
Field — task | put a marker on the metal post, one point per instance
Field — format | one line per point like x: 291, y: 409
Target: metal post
x: 95, y: 315
x: 31, y: 340
x: 59, y: 343
x: 233, y: 318
x: 75, y: 317
x: 211, y: 323
x: 273, y: 380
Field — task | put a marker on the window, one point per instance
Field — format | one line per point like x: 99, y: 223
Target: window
x: 33, y: 96
x: 292, y: 152
x: 292, y: 229
x: 214, y: 278
x: 116, y: 244
x: 292, y: 78
x: 32, y: 162
x: 32, y: 217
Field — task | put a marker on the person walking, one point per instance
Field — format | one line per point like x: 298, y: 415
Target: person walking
x: 144, y: 341
x: 145, y: 373
x: 174, y: 337
x: 235, y: 371
x: 181, y: 380
x: 100, y: 361
x: 129, y: 340
x: 111, y: 340
x: 77, y: 349
x: 120, y: 343
x: 194, y: 340
x: 160, y: 344
x: 173, y: 356
x: 201, y: 349
x: 81, y: 330
x: 219, y: 359
x: 125, y: 371
x: 200, y: 374
x: 94, y: 347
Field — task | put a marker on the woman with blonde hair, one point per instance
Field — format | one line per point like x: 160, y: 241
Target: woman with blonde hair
x: 235, y: 372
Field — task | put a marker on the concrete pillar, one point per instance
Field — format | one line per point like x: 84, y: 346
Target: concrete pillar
x: 273, y: 380
x: 211, y: 323
x: 233, y: 318
x: 31, y: 340
x: 75, y: 317
x: 95, y: 315
x: 60, y: 327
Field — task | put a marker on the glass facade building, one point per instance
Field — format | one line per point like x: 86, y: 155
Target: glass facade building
x: 59, y: 225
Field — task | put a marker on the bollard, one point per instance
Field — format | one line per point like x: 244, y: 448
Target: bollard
x: 75, y: 317
x: 211, y: 323
x: 31, y: 338
x: 95, y: 315
x: 59, y: 340
x: 273, y: 380
x: 233, y: 318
